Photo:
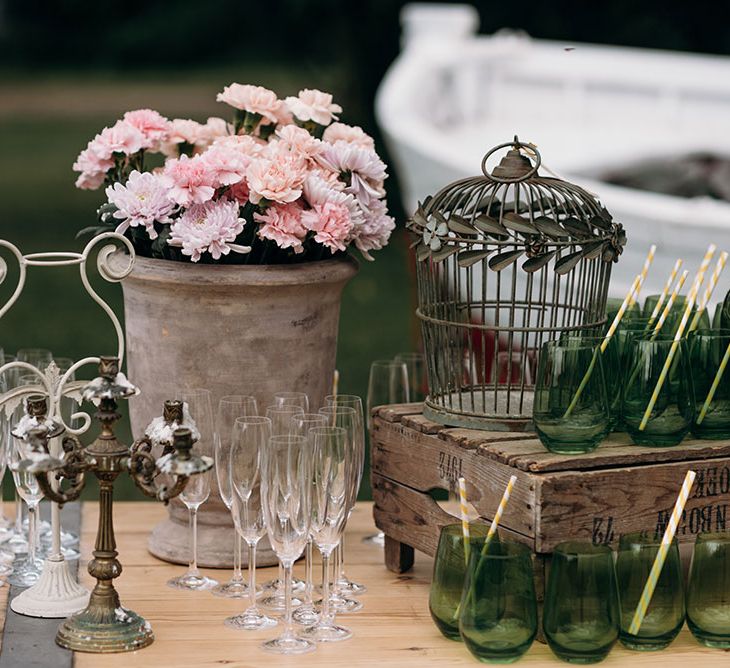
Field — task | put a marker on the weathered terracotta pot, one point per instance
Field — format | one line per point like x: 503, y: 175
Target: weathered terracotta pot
x: 234, y: 330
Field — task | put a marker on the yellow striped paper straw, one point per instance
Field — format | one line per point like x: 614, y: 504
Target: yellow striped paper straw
x: 500, y: 510
x: 667, y: 310
x: 670, y: 357
x: 335, y: 382
x: 665, y: 292
x: 700, y: 276
x: 715, y: 384
x: 708, y: 292
x: 661, y: 554
x: 644, y: 271
x: 635, y: 286
x: 464, y: 517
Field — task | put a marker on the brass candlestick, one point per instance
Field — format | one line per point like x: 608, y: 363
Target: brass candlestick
x: 105, y: 626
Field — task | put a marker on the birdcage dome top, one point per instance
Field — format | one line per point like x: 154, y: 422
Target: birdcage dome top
x: 514, y: 213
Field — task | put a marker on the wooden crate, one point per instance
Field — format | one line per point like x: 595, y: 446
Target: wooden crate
x: 596, y: 497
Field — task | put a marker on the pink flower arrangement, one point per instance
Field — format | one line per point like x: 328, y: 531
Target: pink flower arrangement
x: 285, y: 181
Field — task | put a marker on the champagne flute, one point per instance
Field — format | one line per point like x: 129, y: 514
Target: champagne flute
x: 229, y: 409
x: 6, y: 526
x: 347, y: 418
x: 29, y: 571
x: 250, y: 436
x: 197, y: 490
x: 306, y: 614
x: 342, y: 583
x: 281, y: 425
x: 387, y: 384
x: 291, y: 399
x: 329, y: 515
x: 416, y: 368
x: 286, y: 497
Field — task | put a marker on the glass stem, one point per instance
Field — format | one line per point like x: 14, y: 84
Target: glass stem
x: 18, y: 514
x: 237, y: 573
x: 308, y: 573
x: 280, y: 577
x: 288, y: 633
x: 336, y: 560
x: 341, y: 563
x: 31, y: 534
x: 252, y: 575
x: 193, y: 515
x: 325, y: 587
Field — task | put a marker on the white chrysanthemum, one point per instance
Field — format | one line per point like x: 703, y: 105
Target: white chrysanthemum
x: 211, y: 227
x: 141, y: 201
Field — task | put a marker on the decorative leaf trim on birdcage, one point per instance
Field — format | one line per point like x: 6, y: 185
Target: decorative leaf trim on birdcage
x: 546, y: 219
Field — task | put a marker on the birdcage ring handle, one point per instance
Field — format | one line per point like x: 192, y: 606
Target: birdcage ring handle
x: 516, y: 143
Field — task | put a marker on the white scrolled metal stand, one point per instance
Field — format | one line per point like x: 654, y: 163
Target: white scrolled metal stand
x: 57, y: 593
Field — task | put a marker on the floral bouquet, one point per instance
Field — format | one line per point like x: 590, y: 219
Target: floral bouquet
x: 282, y: 183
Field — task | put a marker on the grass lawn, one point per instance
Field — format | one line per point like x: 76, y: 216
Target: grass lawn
x: 42, y: 211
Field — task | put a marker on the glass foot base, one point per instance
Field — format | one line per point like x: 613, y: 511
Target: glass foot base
x: 350, y: 588
x: 250, y: 620
x: 277, y: 603
x: 645, y: 646
x: 327, y: 633
x: 231, y: 589
x: 377, y: 539
x: 276, y: 585
x: 306, y: 615
x: 342, y: 604
x: 192, y: 582
x: 289, y: 645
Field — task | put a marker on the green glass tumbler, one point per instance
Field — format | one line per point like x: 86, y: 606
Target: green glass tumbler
x: 708, y: 591
x: 498, y: 615
x: 707, y: 348
x: 671, y: 417
x: 449, y: 571
x: 581, y: 613
x: 665, y: 614
x: 570, y: 410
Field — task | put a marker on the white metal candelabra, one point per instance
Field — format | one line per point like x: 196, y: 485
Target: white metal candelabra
x: 57, y: 593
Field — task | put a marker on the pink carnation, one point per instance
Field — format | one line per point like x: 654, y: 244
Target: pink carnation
x: 278, y: 178
x: 299, y: 140
x: 92, y: 167
x: 348, y: 133
x: 313, y: 105
x: 253, y: 99
x: 211, y: 227
x: 141, y: 201
x: 182, y: 130
x: 122, y: 138
x: 247, y: 146
x: 283, y: 224
x: 153, y: 126
x: 331, y: 224
x: 239, y: 191
x: 214, y: 128
x: 190, y: 180
x: 226, y: 166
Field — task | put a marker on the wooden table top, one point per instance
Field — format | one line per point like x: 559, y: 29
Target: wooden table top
x: 393, y: 628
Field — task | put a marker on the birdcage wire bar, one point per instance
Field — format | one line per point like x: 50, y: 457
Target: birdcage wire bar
x: 484, y: 316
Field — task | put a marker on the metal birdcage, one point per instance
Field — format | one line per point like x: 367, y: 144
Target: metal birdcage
x: 506, y: 261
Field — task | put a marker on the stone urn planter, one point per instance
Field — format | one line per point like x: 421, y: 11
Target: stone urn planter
x: 233, y: 330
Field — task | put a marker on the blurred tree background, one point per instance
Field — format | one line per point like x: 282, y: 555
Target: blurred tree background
x: 69, y: 68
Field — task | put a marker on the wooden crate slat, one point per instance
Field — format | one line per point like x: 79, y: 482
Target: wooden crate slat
x: 614, y: 453
x: 427, y: 463
x: 422, y: 424
x: 473, y: 438
x: 394, y: 412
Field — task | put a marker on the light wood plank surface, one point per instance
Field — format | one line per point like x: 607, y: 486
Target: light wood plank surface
x: 394, y: 627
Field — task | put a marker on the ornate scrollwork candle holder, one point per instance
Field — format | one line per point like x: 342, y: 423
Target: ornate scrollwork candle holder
x: 106, y: 626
